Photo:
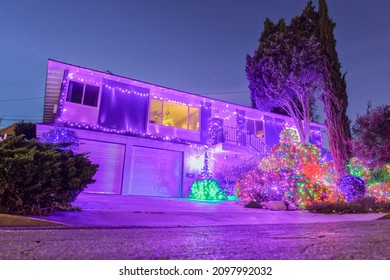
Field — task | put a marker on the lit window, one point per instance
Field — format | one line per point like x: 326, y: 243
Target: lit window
x: 83, y: 94
x: 172, y: 114
x: 155, y: 111
x: 255, y: 127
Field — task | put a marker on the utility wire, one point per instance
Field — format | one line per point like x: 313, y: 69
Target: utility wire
x: 20, y: 99
x: 225, y: 92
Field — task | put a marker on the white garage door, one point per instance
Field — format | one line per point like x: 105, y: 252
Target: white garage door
x: 156, y: 172
x: 110, y: 158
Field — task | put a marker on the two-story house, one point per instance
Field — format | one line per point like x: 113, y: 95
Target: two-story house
x: 149, y: 139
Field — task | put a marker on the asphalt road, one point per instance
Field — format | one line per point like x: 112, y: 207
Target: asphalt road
x: 350, y: 240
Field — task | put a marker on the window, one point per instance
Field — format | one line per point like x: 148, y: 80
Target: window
x: 172, y: 114
x: 83, y: 94
x: 255, y: 127
x: 155, y: 111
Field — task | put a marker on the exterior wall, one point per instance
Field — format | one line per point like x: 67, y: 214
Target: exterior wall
x: 87, y: 116
x: 192, y: 157
x: 239, y: 122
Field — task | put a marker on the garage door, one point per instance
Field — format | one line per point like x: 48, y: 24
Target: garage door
x: 156, y: 172
x: 110, y: 158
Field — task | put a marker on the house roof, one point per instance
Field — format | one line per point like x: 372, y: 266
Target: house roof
x: 8, y: 130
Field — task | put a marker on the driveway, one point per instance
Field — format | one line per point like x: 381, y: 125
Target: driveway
x: 124, y: 211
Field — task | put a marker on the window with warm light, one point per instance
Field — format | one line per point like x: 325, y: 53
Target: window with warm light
x: 256, y: 127
x: 172, y: 114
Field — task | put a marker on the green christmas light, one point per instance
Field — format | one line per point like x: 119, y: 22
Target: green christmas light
x: 206, y: 190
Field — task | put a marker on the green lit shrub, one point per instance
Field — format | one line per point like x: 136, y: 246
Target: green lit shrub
x: 37, y: 178
x: 208, y: 189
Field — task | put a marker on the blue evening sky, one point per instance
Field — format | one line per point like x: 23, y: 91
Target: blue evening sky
x: 195, y: 46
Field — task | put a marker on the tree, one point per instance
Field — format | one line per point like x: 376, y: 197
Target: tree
x: 28, y: 129
x: 285, y: 71
x: 371, y: 133
x: 334, y: 94
x: 168, y: 118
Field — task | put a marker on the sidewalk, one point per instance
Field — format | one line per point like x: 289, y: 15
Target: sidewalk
x: 124, y: 211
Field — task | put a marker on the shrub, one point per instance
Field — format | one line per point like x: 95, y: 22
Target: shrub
x: 371, y: 133
x: 357, y: 205
x: 207, y: 190
x: 293, y: 171
x: 352, y: 187
x: 66, y: 138
x: 35, y: 177
x: 28, y: 129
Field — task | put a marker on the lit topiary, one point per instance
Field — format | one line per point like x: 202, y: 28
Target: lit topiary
x: 352, y: 187
x: 206, y: 190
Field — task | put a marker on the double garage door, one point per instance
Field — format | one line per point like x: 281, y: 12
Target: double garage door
x: 152, y: 171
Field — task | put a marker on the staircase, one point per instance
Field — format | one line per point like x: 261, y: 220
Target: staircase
x: 243, y: 139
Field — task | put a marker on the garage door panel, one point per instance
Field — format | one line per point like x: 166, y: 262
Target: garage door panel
x: 110, y: 157
x: 156, y: 172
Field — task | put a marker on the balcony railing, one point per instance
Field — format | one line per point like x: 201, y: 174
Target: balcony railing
x: 240, y: 138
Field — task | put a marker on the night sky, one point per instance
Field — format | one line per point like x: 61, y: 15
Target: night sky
x: 194, y: 46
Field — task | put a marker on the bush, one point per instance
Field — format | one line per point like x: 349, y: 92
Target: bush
x: 371, y: 133
x: 35, y: 178
x: 358, y: 205
x: 352, y: 187
x: 66, y: 138
x: 28, y: 129
x: 207, y: 190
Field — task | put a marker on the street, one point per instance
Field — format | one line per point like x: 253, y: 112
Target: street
x: 341, y: 240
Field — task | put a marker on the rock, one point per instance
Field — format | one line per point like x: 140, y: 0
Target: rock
x: 276, y: 205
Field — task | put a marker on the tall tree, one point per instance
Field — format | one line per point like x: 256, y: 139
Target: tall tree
x: 285, y: 71
x: 334, y: 94
x: 372, y: 136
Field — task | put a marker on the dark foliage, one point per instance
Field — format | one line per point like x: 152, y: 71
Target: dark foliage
x: 28, y: 129
x: 36, y: 178
x: 371, y: 133
x: 253, y: 204
x: 359, y: 205
x: 284, y: 73
x: 334, y: 96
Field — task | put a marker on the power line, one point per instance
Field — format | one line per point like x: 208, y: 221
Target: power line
x: 19, y: 116
x: 21, y: 82
x: 20, y: 99
x: 225, y: 92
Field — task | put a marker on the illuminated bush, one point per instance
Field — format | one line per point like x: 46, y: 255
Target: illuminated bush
x: 206, y: 190
x: 64, y: 138
x: 380, y: 191
x: 352, y: 187
x: 293, y: 171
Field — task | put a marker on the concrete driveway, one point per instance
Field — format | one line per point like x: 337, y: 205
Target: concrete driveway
x: 119, y: 211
